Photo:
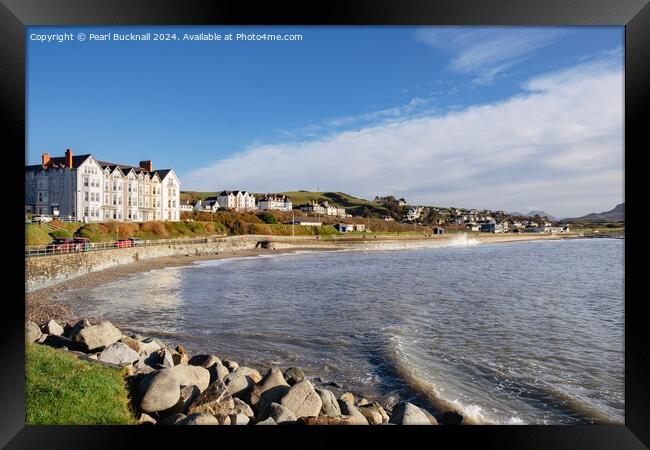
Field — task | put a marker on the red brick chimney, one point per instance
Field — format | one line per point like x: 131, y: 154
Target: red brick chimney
x: 45, y: 159
x: 68, y: 158
x: 147, y: 165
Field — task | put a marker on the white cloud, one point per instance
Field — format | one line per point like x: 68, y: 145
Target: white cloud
x: 487, y: 52
x: 558, y: 145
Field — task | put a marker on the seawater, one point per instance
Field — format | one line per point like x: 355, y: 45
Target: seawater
x: 508, y: 333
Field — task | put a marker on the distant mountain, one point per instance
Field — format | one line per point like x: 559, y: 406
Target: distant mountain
x: 541, y: 214
x: 515, y: 213
x: 615, y: 214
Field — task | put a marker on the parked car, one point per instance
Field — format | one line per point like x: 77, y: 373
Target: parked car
x: 38, y: 218
x: 61, y: 245
x: 136, y: 241
x: 123, y: 243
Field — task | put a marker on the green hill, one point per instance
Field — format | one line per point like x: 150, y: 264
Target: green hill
x: 353, y: 205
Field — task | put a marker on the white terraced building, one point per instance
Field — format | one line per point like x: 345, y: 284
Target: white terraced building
x: 237, y: 200
x: 91, y: 190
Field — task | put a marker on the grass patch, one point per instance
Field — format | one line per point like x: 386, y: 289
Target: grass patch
x: 61, y: 389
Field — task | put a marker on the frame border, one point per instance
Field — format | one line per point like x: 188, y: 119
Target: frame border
x: 16, y: 15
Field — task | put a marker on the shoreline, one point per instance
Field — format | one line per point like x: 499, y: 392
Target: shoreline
x: 41, y: 304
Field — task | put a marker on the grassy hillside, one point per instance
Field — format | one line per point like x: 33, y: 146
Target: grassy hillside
x: 61, y: 389
x: 352, y: 205
x: 194, y: 196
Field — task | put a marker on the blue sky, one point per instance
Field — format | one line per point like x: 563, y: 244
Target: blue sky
x: 510, y: 118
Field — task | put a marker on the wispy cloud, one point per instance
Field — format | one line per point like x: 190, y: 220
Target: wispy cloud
x: 558, y: 145
x: 488, y: 52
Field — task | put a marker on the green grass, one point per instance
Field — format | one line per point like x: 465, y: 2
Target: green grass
x: 352, y: 205
x: 61, y: 389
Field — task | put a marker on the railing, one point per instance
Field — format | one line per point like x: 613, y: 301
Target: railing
x: 79, y: 247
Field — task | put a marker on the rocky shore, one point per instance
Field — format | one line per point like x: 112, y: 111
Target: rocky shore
x: 170, y: 387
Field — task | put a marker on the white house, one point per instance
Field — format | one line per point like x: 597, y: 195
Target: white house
x: 237, y: 200
x: 186, y: 207
x: 414, y: 213
x: 92, y: 190
x: 277, y: 202
x: 307, y: 221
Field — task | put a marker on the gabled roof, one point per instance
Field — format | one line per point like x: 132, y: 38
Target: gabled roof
x: 59, y: 162
x: 232, y: 192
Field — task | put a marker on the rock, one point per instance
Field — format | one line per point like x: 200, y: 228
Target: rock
x: 224, y: 419
x: 76, y: 328
x: 326, y: 420
x: 450, y: 418
x: 268, y: 421
x: 166, y: 358
x: 180, y: 358
x: 249, y: 372
x: 188, y: 395
x: 187, y: 375
x: 218, y: 372
x: 329, y: 405
x: 57, y: 341
x: 302, y: 400
x: 362, y: 401
x: 293, y: 375
x: 42, y: 338
x: 278, y: 413
x: 32, y: 331
x: 270, y: 389
x: 348, y: 409
x: 406, y: 413
x: 96, y: 356
x: 238, y: 383
x: 239, y: 419
x: 230, y: 365
x: 159, y: 391
x: 181, y: 350
x: 97, y: 337
x: 133, y: 344
x: 119, y: 353
x: 372, y: 413
x: 205, y: 361
x: 53, y: 328
x: 199, y: 419
x: 241, y: 407
x: 149, y: 346
x: 172, y: 419
x: 214, y: 400
x: 348, y: 397
x: 146, y: 419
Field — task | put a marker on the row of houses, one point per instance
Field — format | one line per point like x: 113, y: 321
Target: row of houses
x: 87, y: 189
x: 323, y: 208
x: 317, y: 222
x: 241, y: 201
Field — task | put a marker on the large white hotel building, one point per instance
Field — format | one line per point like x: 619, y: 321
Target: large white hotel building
x: 91, y: 190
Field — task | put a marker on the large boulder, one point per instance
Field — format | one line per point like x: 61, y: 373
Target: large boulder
x: 348, y: 409
x: 199, y: 419
x: 251, y: 373
x: 205, y: 361
x: 53, y: 328
x: 294, y: 375
x: 119, y: 353
x: 97, y: 337
x: 268, y: 421
x: 270, y: 389
x: 159, y: 391
x: 278, y: 413
x: 214, y: 400
x: 406, y: 413
x: 32, y: 331
x: 149, y: 345
x: 187, y: 375
x: 238, y: 383
x: 218, y: 372
x: 166, y: 358
x: 348, y: 397
x: 329, y: 405
x: 327, y: 420
x: 239, y: 419
x: 374, y: 413
x: 133, y: 344
x: 241, y: 407
x: 302, y: 400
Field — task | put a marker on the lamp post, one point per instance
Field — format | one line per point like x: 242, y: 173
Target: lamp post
x: 293, y: 225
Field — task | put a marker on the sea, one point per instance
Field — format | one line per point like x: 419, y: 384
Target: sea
x: 503, y: 333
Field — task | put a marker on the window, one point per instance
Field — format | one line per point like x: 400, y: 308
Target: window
x: 86, y: 197
x: 85, y: 181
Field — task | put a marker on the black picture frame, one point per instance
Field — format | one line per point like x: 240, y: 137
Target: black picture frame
x: 15, y: 15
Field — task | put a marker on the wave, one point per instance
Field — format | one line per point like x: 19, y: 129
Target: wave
x: 551, y: 401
